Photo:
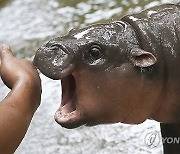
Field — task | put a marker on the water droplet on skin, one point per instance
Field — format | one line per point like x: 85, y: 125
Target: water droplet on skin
x: 59, y: 60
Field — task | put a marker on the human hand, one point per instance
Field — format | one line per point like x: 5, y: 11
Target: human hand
x: 20, y: 74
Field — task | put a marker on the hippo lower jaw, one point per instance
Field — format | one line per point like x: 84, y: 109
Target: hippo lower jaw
x: 67, y: 115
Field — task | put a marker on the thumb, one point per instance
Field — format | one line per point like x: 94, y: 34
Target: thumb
x: 5, y: 52
x: 7, y: 63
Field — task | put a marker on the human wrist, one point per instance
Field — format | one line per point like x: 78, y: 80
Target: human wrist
x: 28, y: 93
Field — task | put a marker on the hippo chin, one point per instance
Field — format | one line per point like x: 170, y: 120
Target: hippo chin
x: 124, y: 71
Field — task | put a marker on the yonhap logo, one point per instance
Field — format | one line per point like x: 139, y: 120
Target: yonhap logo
x: 171, y: 140
x: 154, y: 139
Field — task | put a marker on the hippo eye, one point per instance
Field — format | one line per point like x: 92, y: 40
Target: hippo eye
x: 95, y: 51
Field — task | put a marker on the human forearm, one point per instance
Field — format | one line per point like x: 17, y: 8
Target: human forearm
x: 16, y: 112
x: 13, y: 126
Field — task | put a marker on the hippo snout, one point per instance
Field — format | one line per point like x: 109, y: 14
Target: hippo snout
x: 54, y: 61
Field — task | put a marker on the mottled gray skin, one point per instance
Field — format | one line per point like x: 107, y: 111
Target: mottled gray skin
x: 125, y: 71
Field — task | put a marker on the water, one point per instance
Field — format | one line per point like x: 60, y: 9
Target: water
x: 27, y: 24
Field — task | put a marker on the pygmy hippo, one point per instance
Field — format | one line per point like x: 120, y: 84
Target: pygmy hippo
x: 124, y: 71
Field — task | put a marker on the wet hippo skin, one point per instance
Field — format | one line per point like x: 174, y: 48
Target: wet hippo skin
x: 125, y: 71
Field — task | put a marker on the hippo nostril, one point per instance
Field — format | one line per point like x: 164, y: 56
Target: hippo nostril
x: 58, y: 48
x: 55, y: 47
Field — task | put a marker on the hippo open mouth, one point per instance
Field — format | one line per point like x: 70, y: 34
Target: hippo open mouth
x: 68, y: 102
x: 68, y: 94
x: 67, y: 115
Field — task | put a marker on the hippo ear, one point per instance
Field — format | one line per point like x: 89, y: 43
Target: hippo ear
x: 141, y: 58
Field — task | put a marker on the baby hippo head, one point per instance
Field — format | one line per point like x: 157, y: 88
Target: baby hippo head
x: 99, y: 79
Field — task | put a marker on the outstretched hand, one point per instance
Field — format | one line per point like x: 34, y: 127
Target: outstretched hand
x: 15, y: 70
